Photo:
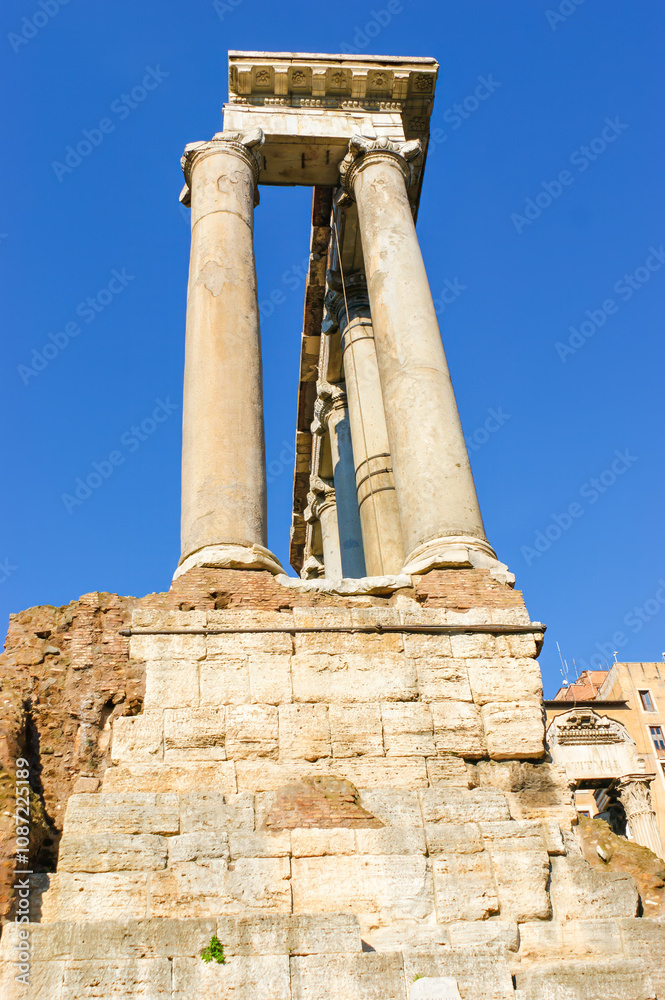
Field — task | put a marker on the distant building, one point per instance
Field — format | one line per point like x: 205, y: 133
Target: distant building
x: 608, y: 731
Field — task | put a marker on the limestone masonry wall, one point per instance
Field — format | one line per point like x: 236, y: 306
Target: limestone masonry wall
x: 346, y: 808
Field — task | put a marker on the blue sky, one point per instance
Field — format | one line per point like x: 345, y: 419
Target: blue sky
x: 542, y: 210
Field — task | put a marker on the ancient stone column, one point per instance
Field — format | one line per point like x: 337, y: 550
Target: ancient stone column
x: 331, y: 416
x: 439, y: 512
x: 321, y: 507
x: 377, y: 501
x: 223, y: 449
x: 635, y: 796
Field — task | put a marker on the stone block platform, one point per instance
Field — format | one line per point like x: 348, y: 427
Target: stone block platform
x: 354, y: 798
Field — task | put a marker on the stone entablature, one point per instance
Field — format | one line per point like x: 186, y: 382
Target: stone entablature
x: 306, y: 80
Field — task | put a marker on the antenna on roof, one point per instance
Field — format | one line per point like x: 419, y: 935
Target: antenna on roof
x: 616, y: 653
x: 564, y: 667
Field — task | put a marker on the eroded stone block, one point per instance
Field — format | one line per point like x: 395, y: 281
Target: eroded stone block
x: 194, y: 889
x: 213, y: 811
x: 224, y: 682
x: 458, y: 728
x: 521, y: 878
x: 356, y: 730
x: 129, y: 812
x: 389, y: 888
x: 251, y: 732
x: 407, y: 729
x: 198, y: 847
x: 99, y: 896
x: 171, y: 684
x: 579, y: 892
x: 478, y: 975
x: 464, y: 887
x: 453, y: 838
x: 362, y: 977
x: 587, y: 981
x: 111, y: 852
x: 352, y: 677
x: 453, y: 805
x: 270, y: 679
x: 441, y: 678
x: 194, y: 734
x: 514, y: 730
x: 138, y: 738
x: 241, y: 977
x: 117, y: 980
x: 288, y: 934
x: 181, y: 778
x: 505, y: 679
x: 304, y: 732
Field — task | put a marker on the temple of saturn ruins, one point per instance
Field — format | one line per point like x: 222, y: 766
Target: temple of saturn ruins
x: 342, y: 776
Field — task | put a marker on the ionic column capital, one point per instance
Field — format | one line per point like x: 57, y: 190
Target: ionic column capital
x: 321, y: 496
x: 406, y: 156
x: 245, y: 145
x: 329, y: 398
x: 312, y: 569
x: 350, y: 294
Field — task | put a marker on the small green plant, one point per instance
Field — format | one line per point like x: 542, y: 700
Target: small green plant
x: 214, y: 952
x: 418, y: 976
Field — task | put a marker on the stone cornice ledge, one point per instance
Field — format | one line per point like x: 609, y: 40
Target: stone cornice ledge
x: 347, y: 587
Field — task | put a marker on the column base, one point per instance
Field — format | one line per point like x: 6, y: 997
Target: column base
x: 457, y: 551
x: 226, y: 556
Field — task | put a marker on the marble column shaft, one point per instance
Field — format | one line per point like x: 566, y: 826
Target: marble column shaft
x: 223, y: 465
x: 377, y: 501
x: 323, y: 508
x: 435, y: 490
x: 332, y: 417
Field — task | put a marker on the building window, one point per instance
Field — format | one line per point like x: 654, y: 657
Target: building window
x: 584, y: 812
x: 657, y: 737
x: 647, y: 701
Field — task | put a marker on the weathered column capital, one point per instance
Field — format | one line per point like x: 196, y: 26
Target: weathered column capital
x: 246, y: 145
x: 312, y: 569
x: 407, y: 156
x: 321, y: 496
x: 350, y: 294
x: 635, y: 794
x: 329, y: 397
